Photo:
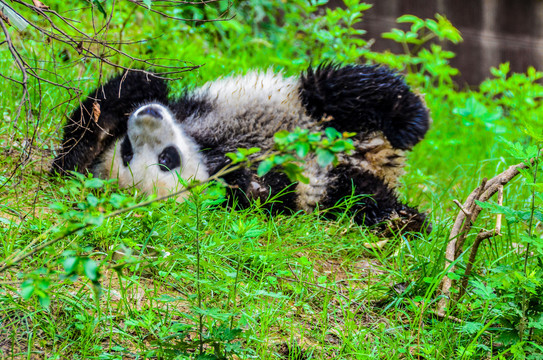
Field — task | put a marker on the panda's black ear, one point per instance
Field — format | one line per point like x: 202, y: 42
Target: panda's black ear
x: 364, y: 98
x: 101, y: 118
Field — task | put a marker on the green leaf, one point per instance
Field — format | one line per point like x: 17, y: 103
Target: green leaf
x: 91, y: 270
x: 148, y: 3
x: 534, y: 241
x: 214, y: 313
x: 511, y: 214
x: 27, y: 289
x: 314, y: 137
x: 409, y: 18
x: 332, y: 133
x: 59, y: 207
x: 101, y: 8
x: 94, y: 183
x: 302, y: 149
x: 95, y: 220
x: 301, y: 178
x: 252, y: 150
x: 484, y: 291
x: 117, y: 200
x: 280, y: 136
x: 432, y: 26
x: 471, y: 327
x: 269, y: 294
x: 293, y: 171
x: 342, y: 145
x: 264, y: 167
x: 304, y: 261
x: 453, y: 276
x: 395, y: 34
x: 324, y: 157
x: 92, y: 200
x: 69, y: 264
x: 45, y: 300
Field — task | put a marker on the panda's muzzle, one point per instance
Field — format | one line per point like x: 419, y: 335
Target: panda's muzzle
x: 150, y: 110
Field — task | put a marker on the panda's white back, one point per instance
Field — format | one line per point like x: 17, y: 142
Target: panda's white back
x: 247, y: 110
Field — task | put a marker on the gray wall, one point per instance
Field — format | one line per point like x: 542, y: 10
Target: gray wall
x: 494, y: 31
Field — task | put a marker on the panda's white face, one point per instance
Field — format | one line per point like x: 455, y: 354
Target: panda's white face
x: 154, y: 155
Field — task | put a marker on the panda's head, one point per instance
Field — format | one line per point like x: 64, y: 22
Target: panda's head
x: 155, y: 155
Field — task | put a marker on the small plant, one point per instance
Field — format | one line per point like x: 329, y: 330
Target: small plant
x: 425, y: 67
x: 293, y: 147
x: 515, y: 290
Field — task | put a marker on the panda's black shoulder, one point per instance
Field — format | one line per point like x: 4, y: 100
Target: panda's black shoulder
x: 190, y: 104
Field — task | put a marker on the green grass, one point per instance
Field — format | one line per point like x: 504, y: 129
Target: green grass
x: 149, y: 282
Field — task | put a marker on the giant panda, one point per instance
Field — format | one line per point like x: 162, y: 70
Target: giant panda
x: 148, y: 140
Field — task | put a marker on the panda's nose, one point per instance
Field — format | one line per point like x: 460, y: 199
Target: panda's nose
x: 151, y: 111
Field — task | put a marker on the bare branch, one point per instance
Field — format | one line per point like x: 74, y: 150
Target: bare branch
x: 99, y: 44
x: 457, y: 203
x: 463, y: 223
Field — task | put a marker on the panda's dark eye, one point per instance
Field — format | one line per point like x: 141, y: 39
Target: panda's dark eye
x: 126, y: 151
x: 169, y: 159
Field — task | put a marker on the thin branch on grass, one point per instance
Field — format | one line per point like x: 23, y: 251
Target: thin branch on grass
x: 444, y: 316
x: 84, y: 43
x: 222, y: 17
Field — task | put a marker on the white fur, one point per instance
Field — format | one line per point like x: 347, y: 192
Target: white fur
x: 149, y: 136
x: 253, y: 89
x: 310, y: 194
x: 253, y: 106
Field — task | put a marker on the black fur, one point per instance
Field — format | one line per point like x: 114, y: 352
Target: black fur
x: 363, y: 99
x: 85, y: 139
x: 376, y: 202
x: 127, y: 152
x: 189, y: 105
x: 169, y: 159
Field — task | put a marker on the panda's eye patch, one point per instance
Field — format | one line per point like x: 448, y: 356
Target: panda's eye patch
x: 169, y: 159
x: 126, y: 151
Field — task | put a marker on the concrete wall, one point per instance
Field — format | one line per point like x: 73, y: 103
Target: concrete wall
x: 494, y: 31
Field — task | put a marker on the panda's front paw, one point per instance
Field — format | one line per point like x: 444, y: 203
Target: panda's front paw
x: 405, y: 220
x: 411, y: 220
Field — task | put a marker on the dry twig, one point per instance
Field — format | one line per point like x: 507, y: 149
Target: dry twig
x: 469, y: 212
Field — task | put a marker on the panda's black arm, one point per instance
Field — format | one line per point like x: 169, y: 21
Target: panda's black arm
x: 377, y: 203
x: 362, y: 99
x: 84, y: 138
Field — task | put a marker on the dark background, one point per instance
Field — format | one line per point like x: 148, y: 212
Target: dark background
x: 494, y: 31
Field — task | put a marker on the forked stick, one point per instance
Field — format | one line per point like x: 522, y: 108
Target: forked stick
x: 464, y: 220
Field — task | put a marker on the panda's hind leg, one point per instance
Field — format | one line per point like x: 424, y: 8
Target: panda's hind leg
x: 374, y: 201
x: 101, y: 118
x: 365, y: 99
